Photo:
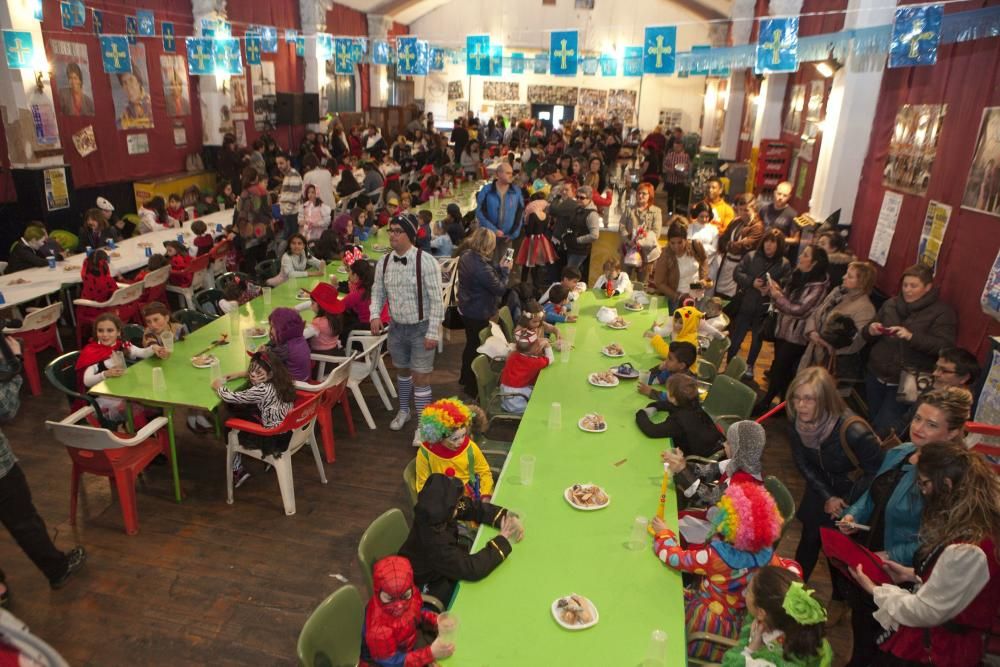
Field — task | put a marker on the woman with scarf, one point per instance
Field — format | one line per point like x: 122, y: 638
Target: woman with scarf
x: 745, y: 525
x: 437, y: 550
x: 834, y: 329
x: 837, y: 459
x: 794, y: 304
x: 640, y: 228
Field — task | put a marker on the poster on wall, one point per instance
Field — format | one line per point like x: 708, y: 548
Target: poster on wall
x: 130, y: 93
x: 513, y: 112
x: 982, y: 189
x: 592, y: 104
x: 991, y: 292
x: 56, y: 190
x: 501, y: 91
x: 180, y: 135
x: 138, y: 144
x: 457, y: 108
x: 265, y: 114
x: 988, y: 408
x: 239, y: 106
x: 670, y: 118
x: 913, y: 147
x: 796, y: 104
x: 565, y: 95
x: 176, y: 95
x: 42, y: 114
x: 888, y: 215
x: 932, y: 236
x: 814, y: 116
x: 85, y: 141
x: 71, y: 65
x: 621, y: 105
x: 455, y: 90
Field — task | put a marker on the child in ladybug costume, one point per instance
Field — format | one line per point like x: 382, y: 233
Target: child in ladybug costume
x: 446, y: 447
x: 397, y: 632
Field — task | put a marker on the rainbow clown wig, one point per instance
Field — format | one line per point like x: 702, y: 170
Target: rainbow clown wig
x: 442, y: 418
x: 747, y: 517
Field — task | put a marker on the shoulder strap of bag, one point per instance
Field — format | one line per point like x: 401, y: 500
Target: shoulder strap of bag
x: 420, y: 287
x: 844, y: 444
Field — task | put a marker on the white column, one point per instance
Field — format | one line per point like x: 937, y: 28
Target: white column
x: 378, y: 28
x: 313, y: 17
x: 210, y: 88
x: 25, y: 90
x: 742, y: 15
x: 769, y: 103
x: 854, y: 96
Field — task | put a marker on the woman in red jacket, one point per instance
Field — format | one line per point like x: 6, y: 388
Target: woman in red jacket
x: 944, y: 622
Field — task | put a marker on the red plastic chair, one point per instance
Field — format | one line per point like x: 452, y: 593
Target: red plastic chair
x: 334, y: 390
x: 198, y: 270
x: 990, y: 449
x: 300, y: 420
x: 124, y: 303
x: 99, y: 451
x: 39, y: 331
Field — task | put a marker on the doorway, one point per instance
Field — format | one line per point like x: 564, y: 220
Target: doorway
x: 552, y: 115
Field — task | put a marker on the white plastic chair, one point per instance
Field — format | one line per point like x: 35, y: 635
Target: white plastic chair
x: 449, y: 287
x: 156, y: 278
x: 344, y: 202
x: 201, y: 279
x: 122, y: 302
x: 365, y: 339
x: 365, y: 366
x: 3, y: 267
x: 301, y: 421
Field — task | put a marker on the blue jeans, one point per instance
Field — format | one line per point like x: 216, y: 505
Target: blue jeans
x: 290, y: 225
x: 742, y: 325
x: 575, y: 260
x: 884, y: 411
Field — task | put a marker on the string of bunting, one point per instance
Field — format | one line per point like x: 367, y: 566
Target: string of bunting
x: 911, y: 40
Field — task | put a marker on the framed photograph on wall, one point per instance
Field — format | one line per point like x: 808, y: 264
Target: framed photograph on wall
x: 982, y: 189
x: 913, y: 147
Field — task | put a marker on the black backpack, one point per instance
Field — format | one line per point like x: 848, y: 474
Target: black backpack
x: 570, y: 222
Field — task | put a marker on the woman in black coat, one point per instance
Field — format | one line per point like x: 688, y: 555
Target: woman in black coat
x: 439, y: 554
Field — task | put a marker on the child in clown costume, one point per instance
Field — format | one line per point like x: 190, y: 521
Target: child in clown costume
x: 446, y: 447
x: 747, y: 524
x: 688, y: 324
x: 397, y: 632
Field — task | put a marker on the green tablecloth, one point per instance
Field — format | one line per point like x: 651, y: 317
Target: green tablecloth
x: 506, y: 618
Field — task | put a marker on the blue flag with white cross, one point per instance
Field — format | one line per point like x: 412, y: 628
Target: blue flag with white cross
x: 227, y: 56
x: 253, y: 49
x: 659, y: 50
x: 268, y: 39
x: 406, y: 56
x: 564, y: 52
x: 115, y: 54
x: 343, y: 61
x: 20, y: 49
x: 517, y: 63
x: 477, y: 55
x: 437, y: 60
x: 778, y: 46
x: 916, y: 33
x: 199, y: 56
x: 169, y: 37
x: 380, y: 52
x: 147, y: 22
x: 633, y: 61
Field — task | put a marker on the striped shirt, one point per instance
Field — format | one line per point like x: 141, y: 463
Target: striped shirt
x: 272, y: 409
x: 10, y: 400
x: 398, y: 287
x: 290, y: 196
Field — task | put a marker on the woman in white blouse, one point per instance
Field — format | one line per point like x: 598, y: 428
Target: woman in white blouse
x: 956, y: 573
x: 700, y: 228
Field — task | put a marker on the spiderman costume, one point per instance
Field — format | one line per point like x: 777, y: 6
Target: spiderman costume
x: 394, y: 622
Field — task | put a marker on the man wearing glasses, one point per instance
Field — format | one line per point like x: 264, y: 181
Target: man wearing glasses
x: 409, y: 280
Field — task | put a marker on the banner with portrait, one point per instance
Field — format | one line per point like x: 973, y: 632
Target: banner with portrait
x: 265, y: 101
x: 175, y: 86
x: 130, y: 94
x: 239, y: 101
x: 71, y: 66
x: 982, y: 189
x: 913, y: 147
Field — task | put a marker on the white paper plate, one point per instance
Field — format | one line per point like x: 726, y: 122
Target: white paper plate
x: 590, y: 379
x: 208, y: 365
x: 342, y: 269
x: 634, y: 309
x: 302, y: 296
x: 260, y: 335
x: 581, y: 626
x: 380, y: 248
x: 588, y: 508
x: 604, y: 351
x: 590, y: 430
x: 617, y: 328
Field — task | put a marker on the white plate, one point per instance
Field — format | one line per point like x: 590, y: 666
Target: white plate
x: 614, y: 369
x: 260, y: 335
x: 591, y: 430
x: 604, y: 351
x: 208, y: 365
x: 584, y: 508
x: 618, y: 328
x: 580, y: 626
x: 634, y: 309
x: 380, y: 248
x: 590, y: 379
x: 302, y: 296
x: 342, y: 269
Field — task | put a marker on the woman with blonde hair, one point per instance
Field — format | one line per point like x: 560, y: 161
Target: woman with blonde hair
x: 834, y: 328
x: 480, y: 286
x: 892, y: 506
x: 837, y: 458
x: 944, y: 621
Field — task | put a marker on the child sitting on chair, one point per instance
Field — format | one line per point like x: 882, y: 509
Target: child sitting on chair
x: 557, y: 307
x: 203, y: 241
x: 324, y: 331
x: 687, y: 424
x: 237, y: 293
x: 687, y: 325
x: 531, y: 354
x: 180, y: 260
x: 613, y: 281
x: 446, y: 447
x: 158, y: 322
x: 681, y: 358
x: 571, y: 279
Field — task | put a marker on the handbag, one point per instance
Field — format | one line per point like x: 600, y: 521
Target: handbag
x: 769, y: 330
x: 911, y: 384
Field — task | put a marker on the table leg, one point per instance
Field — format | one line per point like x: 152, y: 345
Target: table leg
x: 173, y: 453
x: 218, y: 424
x: 129, y: 421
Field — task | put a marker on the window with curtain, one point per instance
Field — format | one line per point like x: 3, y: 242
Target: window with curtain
x: 340, y: 93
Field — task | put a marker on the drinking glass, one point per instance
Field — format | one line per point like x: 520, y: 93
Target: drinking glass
x: 555, y: 416
x: 640, y: 534
x: 267, y: 296
x: 447, y: 627
x: 249, y: 341
x: 159, y: 382
x: 656, y: 653
x: 215, y: 370
x: 167, y: 338
x: 528, y: 472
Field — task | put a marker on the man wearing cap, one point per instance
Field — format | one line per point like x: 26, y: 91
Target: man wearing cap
x: 500, y: 209
x: 409, y: 281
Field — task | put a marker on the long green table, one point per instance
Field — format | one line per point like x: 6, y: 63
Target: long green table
x: 506, y: 618
x: 190, y: 387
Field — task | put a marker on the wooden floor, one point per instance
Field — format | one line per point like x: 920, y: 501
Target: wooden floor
x: 209, y: 583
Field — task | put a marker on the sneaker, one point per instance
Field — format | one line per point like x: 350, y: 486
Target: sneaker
x: 416, y: 438
x: 74, y: 561
x: 240, y: 475
x: 196, y: 427
x: 399, y: 420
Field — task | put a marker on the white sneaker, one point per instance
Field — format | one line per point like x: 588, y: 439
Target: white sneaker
x: 416, y: 437
x: 401, y: 418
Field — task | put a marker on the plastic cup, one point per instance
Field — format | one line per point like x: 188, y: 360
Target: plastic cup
x: 447, y: 627
x: 249, y: 341
x: 149, y: 251
x: 656, y: 653
x: 180, y: 239
x: 167, y: 338
x: 52, y: 263
x: 90, y: 250
x: 117, y: 359
x: 555, y: 416
x: 640, y: 534
x: 654, y: 303
x: 215, y: 370
x: 566, y: 350
x: 528, y: 471
x: 159, y: 382
x: 218, y: 228
x: 267, y: 296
